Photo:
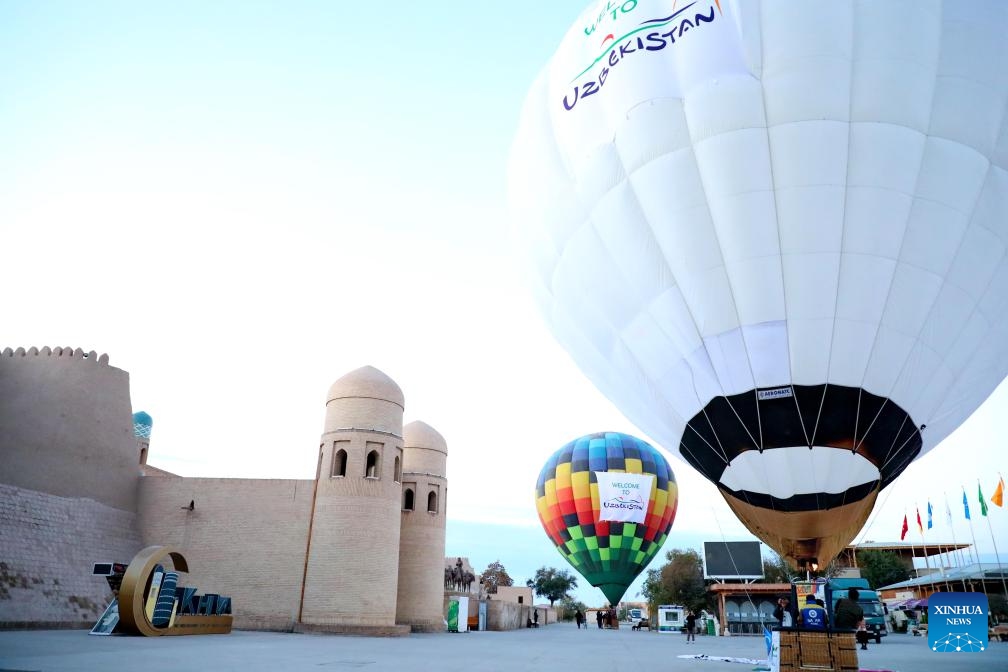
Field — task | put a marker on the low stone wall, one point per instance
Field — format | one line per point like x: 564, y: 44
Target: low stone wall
x: 511, y: 616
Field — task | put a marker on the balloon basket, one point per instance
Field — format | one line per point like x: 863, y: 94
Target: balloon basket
x: 804, y: 651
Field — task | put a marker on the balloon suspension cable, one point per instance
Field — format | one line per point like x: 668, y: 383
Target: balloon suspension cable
x: 857, y: 444
x: 758, y: 445
x: 809, y: 443
x: 759, y: 420
x: 876, y: 510
x: 724, y: 456
x: 898, y: 450
x: 822, y: 402
x: 745, y: 590
x: 717, y: 451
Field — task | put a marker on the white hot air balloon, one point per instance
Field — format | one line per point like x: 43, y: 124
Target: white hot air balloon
x: 773, y: 234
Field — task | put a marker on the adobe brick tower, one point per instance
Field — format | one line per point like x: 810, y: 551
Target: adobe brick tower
x: 422, y: 538
x: 352, y: 569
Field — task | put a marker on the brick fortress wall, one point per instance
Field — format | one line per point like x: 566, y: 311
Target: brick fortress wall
x: 245, y: 538
x: 69, y: 473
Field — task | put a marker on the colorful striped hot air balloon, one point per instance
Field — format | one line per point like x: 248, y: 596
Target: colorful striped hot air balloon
x: 607, y: 501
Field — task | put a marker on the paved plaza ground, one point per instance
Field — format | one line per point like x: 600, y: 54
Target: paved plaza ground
x: 555, y: 648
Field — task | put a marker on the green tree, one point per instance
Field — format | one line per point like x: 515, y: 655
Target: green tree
x: 567, y: 606
x: 678, y: 581
x: 777, y: 570
x: 882, y: 568
x: 553, y: 584
x: 495, y: 575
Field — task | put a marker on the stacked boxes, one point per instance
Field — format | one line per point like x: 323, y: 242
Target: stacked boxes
x: 803, y: 650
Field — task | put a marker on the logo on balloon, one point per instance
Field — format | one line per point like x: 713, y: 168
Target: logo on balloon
x: 622, y: 495
x: 649, y: 36
x: 613, y: 11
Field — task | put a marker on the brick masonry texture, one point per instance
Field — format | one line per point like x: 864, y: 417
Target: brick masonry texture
x: 48, y: 546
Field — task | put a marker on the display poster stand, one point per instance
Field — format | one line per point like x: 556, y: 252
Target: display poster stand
x: 149, y: 601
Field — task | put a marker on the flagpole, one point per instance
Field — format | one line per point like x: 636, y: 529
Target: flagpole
x: 983, y: 510
x: 948, y: 513
x: 938, y: 561
x: 941, y: 565
x: 920, y: 528
x: 983, y: 583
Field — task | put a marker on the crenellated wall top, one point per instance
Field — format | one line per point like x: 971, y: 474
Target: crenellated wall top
x: 66, y: 354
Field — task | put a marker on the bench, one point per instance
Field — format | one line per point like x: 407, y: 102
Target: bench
x: 473, y: 622
x: 643, y: 623
x: 999, y: 633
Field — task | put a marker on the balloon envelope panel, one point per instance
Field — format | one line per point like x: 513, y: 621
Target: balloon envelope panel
x: 608, y: 554
x: 774, y: 234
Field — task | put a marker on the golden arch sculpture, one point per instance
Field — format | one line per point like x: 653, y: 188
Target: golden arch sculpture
x: 132, y: 614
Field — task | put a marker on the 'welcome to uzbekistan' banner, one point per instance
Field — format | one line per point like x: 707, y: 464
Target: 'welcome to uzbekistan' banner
x: 623, y: 497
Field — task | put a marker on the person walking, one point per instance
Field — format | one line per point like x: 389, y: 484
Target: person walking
x: 690, y: 627
x: 578, y: 618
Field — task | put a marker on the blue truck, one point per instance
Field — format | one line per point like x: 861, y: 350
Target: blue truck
x: 868, y: 599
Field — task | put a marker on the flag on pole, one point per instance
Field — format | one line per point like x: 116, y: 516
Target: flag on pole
x: 905, y: 528
x: 948, y: 510
x: 983, y: 502
x: 965, y: 504
x: 998, y: 496
x: 920, y: 527
x: 930, y: 519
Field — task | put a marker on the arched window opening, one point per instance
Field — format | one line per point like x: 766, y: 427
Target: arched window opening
x: 339, y: 463
x: 398, y: 473
x: 432, y: 502
x: 408, y: 500
x: 371, y: 468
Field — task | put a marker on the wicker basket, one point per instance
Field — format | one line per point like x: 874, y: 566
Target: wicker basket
x: 815, y: 651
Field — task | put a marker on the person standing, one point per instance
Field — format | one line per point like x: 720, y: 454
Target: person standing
x: 848, y: 614
x: 783, y: 613
x: 598, y: 617
x: 690, y: 627
x: 813, y: 616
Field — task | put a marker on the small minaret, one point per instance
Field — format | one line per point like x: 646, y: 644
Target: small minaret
x: 142, y: 425
x: 420, y: 602
x: 352, y: 567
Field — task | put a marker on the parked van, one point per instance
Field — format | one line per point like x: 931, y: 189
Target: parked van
x: 868, y: 599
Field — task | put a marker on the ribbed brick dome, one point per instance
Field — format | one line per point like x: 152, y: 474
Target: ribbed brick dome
x: 419, y: 434
x: 367, y: 382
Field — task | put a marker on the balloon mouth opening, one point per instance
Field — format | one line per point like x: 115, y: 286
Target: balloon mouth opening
x: 799, y: 470
x: 801, y: 447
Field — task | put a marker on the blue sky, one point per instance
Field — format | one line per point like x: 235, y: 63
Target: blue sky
x: 242, y: 201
